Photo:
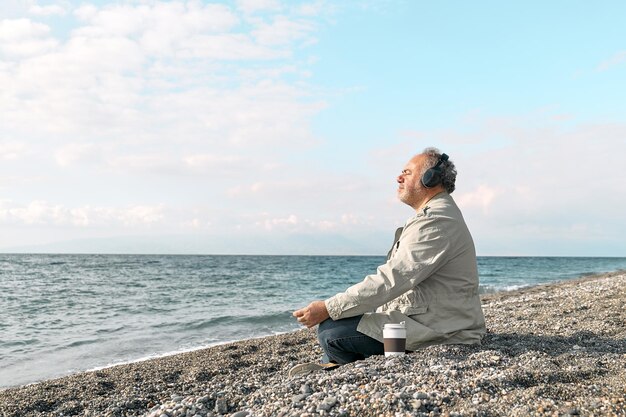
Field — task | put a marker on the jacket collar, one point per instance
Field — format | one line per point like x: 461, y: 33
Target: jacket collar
x: 434, y: 200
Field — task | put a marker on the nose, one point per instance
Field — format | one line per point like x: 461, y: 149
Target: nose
x: 400, y: 179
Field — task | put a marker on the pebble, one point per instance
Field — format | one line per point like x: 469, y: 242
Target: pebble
x: 221, y: 407
x: 327, y: 404
x: 298, y: 398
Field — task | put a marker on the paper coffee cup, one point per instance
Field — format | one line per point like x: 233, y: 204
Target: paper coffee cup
x: 394, y: 338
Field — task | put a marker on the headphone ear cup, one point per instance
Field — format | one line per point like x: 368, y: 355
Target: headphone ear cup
x: 431, y: 178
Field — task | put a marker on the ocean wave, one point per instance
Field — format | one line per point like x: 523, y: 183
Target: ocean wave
x: 134, y: 284
x: 491, y: 289
x: 15, y: 343
x: 77, y: 343
x: 589, y: 273
x: 109, y: 331
x: 245, y: 321
x: 142, y: 309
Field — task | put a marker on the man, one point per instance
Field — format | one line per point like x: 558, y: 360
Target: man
x: 430, y: 279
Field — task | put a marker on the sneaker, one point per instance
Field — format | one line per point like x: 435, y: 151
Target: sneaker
x: 305, y: 368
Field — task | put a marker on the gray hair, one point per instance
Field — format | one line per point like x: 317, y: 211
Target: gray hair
x: 448, y: 170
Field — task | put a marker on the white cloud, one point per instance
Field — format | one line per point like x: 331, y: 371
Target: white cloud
x: 322, y: 225
x: 36, y: 212
x: 482, y: 198
x: 152, y: 73
x: 219, y: 164
x: 227, y: 47
x: 20, y: 181
x: 617, y: 59
x: 41, y: 212
x: 293, y: 223
x: 119, y: 158
x: 12, y: 30
x: 12, y: 150
x: 283, y: 30
x: 285, y: 222
x: 348, y: 220
x: 161, y: 28
x: 196, y: 224
x: 28, y: 47
x: 142, y: 163
x: 77, y: 153
x: 140, y: 215
x: 23, y: 38
x: 101, y: 55
x: 315, y: 8
x: 252, y: 6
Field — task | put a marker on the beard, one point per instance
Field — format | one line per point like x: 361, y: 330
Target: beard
x: 405, y: 195
x: 409, y: 196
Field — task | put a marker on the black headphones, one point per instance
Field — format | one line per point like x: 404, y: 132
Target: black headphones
x: 432, y: 176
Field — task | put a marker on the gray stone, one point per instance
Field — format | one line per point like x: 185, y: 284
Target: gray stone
x: 327, y: 404
x: 416, y: 404
x: 221, y: 407
x: 298, y: 398
x: 242, y: 413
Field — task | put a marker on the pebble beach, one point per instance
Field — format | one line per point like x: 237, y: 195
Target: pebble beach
x: 551, y: 350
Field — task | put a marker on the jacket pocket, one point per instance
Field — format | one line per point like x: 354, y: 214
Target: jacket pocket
x: 413, y: 310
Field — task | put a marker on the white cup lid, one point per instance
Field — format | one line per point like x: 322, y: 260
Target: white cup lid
x: 394, y: 326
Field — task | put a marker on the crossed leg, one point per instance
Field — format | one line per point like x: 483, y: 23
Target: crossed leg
x: 342, y: 343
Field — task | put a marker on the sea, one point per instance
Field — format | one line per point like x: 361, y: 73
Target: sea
x: 61, y: 314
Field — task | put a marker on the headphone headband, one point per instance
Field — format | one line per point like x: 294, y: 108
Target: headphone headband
x: 443, y: 158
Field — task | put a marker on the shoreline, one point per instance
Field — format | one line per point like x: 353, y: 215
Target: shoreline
x: 536, y: 332
x: 68, y: 373
x: 486, y: 292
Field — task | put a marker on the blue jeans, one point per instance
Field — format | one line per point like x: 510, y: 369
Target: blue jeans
x: 342, y: 343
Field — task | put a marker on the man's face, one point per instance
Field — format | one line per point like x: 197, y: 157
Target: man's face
x: 409, y: 185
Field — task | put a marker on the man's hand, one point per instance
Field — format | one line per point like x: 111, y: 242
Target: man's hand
x: 313, y: 314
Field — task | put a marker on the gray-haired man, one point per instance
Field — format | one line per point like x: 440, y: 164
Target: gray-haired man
x: 430, y: 279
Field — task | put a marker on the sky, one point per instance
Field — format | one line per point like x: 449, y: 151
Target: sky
x: 279, y: 127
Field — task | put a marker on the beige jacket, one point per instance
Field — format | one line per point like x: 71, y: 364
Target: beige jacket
x: 430, y: 281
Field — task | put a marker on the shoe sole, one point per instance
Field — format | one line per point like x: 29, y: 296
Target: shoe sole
x: 306, y: 368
